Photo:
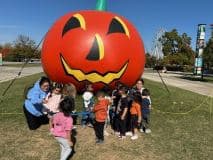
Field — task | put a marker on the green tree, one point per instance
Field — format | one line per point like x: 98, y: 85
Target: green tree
x: 208, y: 54
x: 170, y: 41
x: 150, y: 60
x: 177, y: 49
x: 185, y: 39
x: 24, y: 48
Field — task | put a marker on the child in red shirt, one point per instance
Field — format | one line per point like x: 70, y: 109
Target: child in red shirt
x: 100, y: 110
x: 135, y: 111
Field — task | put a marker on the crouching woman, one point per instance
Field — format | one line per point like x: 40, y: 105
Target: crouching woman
x: 33, y: 104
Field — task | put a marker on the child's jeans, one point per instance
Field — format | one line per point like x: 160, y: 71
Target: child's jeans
x: 122, y: 126
x: 145, y: 122
x: 65, y: 148
x: 134, y: 123
x: 87, y: 118
x: 111, y: 117
x: 99, y: 130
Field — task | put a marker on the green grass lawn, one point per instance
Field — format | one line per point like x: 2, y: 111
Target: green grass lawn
x: 174, y: 136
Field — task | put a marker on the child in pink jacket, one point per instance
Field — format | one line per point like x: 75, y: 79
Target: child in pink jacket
x: 62, y: 124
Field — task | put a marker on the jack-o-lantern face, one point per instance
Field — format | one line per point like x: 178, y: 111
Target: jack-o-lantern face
x: 92, y: 46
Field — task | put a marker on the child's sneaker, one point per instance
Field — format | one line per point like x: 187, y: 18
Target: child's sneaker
x: 128, y: 133
x: 122, y: 137
x: 90, y: 125
x: 148, y: 131
x: 106, y: 133
x: 74, y: 127
x: 99, y: 141
x: 134, y: 137
x: 117, y: 133
x: 141, y: 130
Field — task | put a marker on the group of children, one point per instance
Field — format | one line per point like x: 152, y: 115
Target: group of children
x: 127, y: 111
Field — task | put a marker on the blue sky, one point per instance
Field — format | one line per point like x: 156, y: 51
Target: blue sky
x: 34, y: 17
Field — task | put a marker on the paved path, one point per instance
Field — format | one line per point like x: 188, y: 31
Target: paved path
x: 203, y: 88
x: 8, y: 73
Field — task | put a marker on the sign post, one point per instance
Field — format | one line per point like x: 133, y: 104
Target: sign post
x: 200, y: 44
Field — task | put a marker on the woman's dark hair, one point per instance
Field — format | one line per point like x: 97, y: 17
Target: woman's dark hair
x: 67, y: 105
x: 145, y: 92
x: 44, y: 80
x: 137, y: 97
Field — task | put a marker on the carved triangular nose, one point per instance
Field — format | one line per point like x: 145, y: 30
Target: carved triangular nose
x: 97, y: 51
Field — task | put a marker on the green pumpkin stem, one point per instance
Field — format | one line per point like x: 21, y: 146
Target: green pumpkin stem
x: 101, y: 5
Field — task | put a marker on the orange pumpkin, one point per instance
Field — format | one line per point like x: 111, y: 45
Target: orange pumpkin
x: 93, y: 46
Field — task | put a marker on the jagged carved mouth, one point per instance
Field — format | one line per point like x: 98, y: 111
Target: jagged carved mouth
x: 93, y: 76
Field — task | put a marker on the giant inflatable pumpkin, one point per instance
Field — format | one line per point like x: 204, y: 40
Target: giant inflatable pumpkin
x: 95, y: 47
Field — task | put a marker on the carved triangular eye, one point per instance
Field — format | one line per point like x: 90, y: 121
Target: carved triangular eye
x: 116, y: 27
x: 72, y: 23
x: 76, y: 21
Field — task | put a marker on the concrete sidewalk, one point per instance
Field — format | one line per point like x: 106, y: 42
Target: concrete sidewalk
x: 203, y: 88
x: 8, y: 73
